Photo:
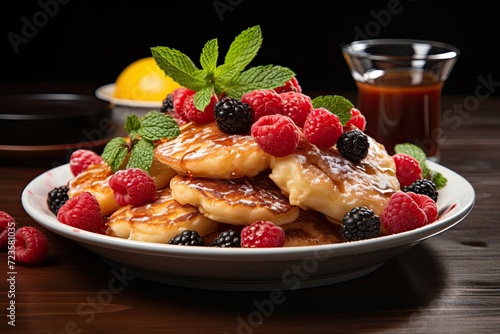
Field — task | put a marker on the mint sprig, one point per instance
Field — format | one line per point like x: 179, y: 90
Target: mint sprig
x: 230, y: 77
x: 336, y: 104
x: 416, y: 152
x: 143, y: 133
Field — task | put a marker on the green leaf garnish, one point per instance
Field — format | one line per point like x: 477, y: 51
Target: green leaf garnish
x: 230, y: 77
x: 115, y: 153
x: 143, y: 133
x: 142, y: 155
x: 416, y: 152
x: 336, y: 104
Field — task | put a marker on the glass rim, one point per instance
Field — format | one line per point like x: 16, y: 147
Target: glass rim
x: 357, y: 48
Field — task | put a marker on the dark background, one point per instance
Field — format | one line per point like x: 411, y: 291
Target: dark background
x: 93, y: 41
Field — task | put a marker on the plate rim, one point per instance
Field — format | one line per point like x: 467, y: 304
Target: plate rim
x: 47, y: 220
x: 105, y: 93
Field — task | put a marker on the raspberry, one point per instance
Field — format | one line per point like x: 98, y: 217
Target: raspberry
x: 31, y: 245
x: 424, y: 187
x: 322, y: 128
x: 357, y: 120
x: 276, y: 134
x: 56, y: 198
x: 360, y: 223
x: 408, y: 211
x: 296, y: 106
x: 425, y: 203
x: 233, y: 116
x: 132, y: 186
x: 7, y: 223
x: 263, y: 102
x: 187, y: 238
x: 227, y: 239
x: 81, y: 159
x: 408, y: 169
x: 291, y: 85
x: 197, y: 116
x: 262, y: 234
x: 178, y: 97
x: 82, y: 212
x: 353, y: 145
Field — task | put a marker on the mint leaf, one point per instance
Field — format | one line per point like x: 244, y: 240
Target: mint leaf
x: 202, y: 98
x: 439, y: 180
x: 142, y: 155
x: 209, y: 55
x: 260, y: 77
x: 227, y: 78
x: 115, y: 153
x: 179, y: 67
x: 132, y: 126
x: 156, y: 126
x: 336, y: 104
x: 244, y: 48
x: 416, y: 152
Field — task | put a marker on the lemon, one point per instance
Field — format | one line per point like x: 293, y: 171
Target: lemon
x: 144, y: 80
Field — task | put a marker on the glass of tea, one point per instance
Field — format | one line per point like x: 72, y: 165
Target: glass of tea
x: 399, y: 85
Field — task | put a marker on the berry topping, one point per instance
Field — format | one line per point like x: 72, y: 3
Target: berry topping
x: 263, y: 102
x: 167, y: 105
x: 262, y: 234
x: 353, y: 145
x: 276, y: 134
x: 227, y: 239
x: 423, y: 187
x: 360, y: 223
x: 187, y: 238
x: 427, y: 204
x: 233, y: 116
x: 178, y: 97
x: 31, y: 245
x: 81, y: 159
x: 198, y: 116
x: 132, y: 186
x: 322, y: 128
x: 408, y: 169
x: 408, y: 211
x: 56, y: 198
x: 357, y: 120
x: 82, y: 212
x: 296, y: 106
x: 7, y: 223
x: 291, y: 85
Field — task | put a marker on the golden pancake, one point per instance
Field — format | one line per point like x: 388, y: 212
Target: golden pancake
x: 205, y: 151
x: 325, y: 181
x: 158, y: 221
x: 95, y: 180
x: 238, y: 202
x: 310, y: 229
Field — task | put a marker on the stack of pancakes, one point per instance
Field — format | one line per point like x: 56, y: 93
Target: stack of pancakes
x: 212, y: 181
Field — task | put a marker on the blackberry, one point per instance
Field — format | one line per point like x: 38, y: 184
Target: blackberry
x: 353, y: 145
x: 229, y: 238
x: 187, y: 238
x: 56, y: 198
x: 360, y: 223
x: 167, y: 105
x: 233, y: 116
x: 424, y: 187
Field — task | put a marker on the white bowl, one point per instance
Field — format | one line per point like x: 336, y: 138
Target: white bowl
x: 248, y: 269
x: 123, y: 107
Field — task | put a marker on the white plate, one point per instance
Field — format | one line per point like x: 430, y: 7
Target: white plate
x: 106, y: 93
x: 243, y: 268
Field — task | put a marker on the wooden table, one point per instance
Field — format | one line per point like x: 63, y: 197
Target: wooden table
x: 447, y: 284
